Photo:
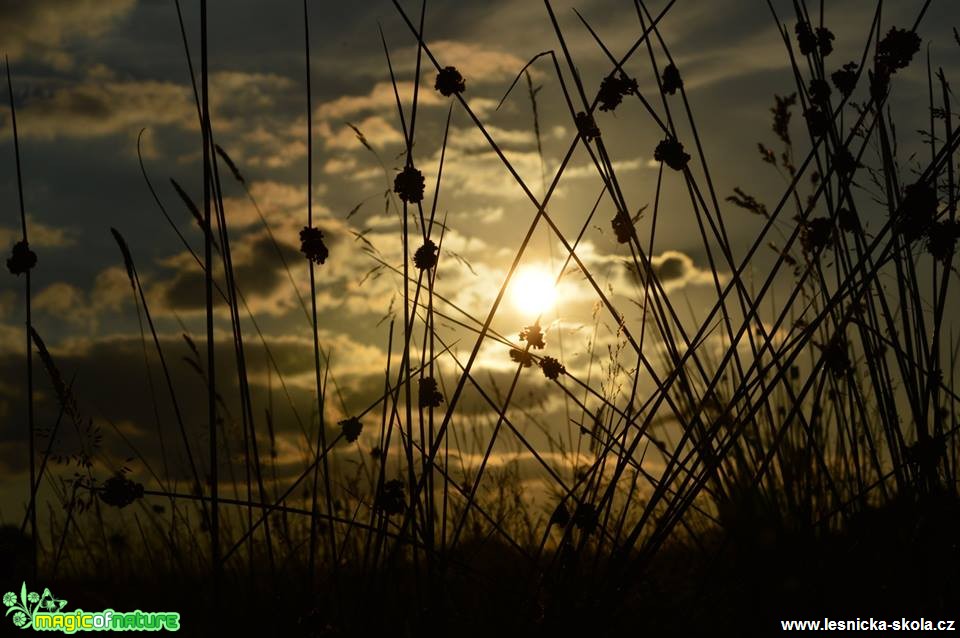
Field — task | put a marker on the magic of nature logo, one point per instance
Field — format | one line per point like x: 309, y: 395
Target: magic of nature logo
x: 44, y: 612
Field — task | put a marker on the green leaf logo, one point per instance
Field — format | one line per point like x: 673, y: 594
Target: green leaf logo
x: 28, y: 604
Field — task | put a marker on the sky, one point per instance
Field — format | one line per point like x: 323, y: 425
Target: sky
x: 92, y: 78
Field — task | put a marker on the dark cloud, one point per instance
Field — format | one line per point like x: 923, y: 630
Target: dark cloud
x: 42, y: 29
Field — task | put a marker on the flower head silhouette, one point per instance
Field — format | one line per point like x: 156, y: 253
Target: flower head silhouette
x: 312, y: 246
x: 9, y: 599
x: 825, y: 40
x: 425, y: 257
x: 119, y: 491
x: 587, y: 126
x: 351, y: 428
x: 21, y: 259
x: 534, y: 336
x: 19, y: 619
x: 845, y: 78
x: 613, y: 89
x: 33, y: 597
x: 819, y: 92
x: 519, y: 356
x: 897, y: 49
x: 622, y: 226
x: 670, y: 152
x: 552, y: 368
x: 449, y: 81
x: 942, y: 239
x: 409, y: 184
x: 430, y: 395
x: 806, y: 39
x: 671, y: 79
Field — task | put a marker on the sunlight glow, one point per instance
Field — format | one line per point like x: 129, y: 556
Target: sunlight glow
x: 532, y: 291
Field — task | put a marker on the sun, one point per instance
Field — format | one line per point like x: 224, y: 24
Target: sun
x: 533, y: 291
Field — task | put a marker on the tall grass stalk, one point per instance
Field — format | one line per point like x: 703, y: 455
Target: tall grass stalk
x: 28, y: 297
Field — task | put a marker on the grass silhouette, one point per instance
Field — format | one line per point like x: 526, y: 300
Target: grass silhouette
x: 796, y: 456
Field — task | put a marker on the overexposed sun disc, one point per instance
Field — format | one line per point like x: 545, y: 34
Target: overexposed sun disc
x: 532, y: 290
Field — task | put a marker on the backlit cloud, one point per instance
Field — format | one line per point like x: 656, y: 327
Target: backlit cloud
x: 40, y: 30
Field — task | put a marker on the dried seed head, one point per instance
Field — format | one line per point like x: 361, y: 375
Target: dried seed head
x: 845, y: 79
x: 534, y: 336
x: 671, y: 79
x: 521, y: 357
x: 806, y: 39
x: 896, y: 50
x: 119, y: 491
x: 312, y: 246
x: 942, y: 240
x: 552, y: 368
x: 351, y: 428
x: 819, y: 92
x: 622, y: 226
x: 430, y: 396
x: 670, y: 152
x: 587, y: 126
x: 613, y: 89
x: 825, y: 40
x: 449, y: 81
x: 21, y: 259
x: 426, y: 256
x: 409, y: 184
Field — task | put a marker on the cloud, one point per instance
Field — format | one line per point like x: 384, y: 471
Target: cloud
x: 41, y: 29
x: 257, y: 269
x: 101, y: 104
x: 281, y: 203
x: 675, y: 269
x: 93, y: 109
x: 40, y: 235
x: 757, y: 52
x: 471, y: 139
x: 340, y: 165
x: 380, y: 98
x: 619, y: 166
x: 68, y: 303
x: 478, y: 63
x: 483, y: 173
x: 376, y: 130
